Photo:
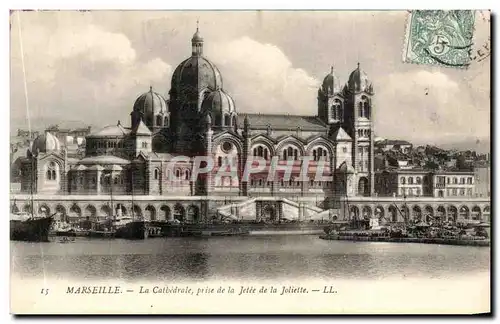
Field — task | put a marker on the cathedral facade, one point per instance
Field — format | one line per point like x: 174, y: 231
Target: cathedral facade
x: 201, y: 119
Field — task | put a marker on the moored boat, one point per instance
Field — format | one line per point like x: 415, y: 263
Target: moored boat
x: 101, y: 234
x: 129, y: 228
x: 24, y: 227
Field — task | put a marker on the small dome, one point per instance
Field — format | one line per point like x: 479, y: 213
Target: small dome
x: 358, y: 81
x: 219, y: 105
x: 218, y: 102
x: 151, y: 103
x: 331, y: 83
x: 197, y: 37
x: 45, y: 143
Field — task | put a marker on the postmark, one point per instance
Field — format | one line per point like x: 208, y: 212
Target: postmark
x: 439, y: 37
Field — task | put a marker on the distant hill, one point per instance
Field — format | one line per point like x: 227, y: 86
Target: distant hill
x: 480, y: 146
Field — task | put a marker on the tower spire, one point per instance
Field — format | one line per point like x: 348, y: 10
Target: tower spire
x: 197, y: 41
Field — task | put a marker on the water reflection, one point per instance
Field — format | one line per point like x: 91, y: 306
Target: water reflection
x: 252, y: 257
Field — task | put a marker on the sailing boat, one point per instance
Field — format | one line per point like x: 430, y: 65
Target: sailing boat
x: 30, y: 226
x: 132, y: 228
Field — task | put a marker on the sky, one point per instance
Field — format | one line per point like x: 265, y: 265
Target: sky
x: 87, y: 68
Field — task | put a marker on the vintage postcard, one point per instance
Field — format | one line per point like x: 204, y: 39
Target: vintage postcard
x: 250, y: 162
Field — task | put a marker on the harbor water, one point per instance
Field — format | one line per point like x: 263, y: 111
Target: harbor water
x: 242, y: 258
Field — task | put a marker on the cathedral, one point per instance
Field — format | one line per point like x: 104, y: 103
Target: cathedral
x: 199, y: 118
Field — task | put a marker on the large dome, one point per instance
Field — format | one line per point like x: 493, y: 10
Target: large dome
x: 196, y: 73
x: 359, y: 82
x: 219, y: 105
x: 150, y: 103
x: 331, y: 83
x: 45, y: 143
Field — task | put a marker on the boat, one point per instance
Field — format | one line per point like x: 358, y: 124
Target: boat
x: 31, y: 228
x: 93, y: 233
x: 65, y: 239
x: 130, y: 228
x: 62, y: 229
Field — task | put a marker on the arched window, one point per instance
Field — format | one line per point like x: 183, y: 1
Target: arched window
x: 462, y: 180
x: 156, y: 174
x: 159, y: 120
x: 410, y: 180
x: 51, y: 171
x: 403, y: 180
x: 165, y: 121
x: 455, y: 181
x: 419, y: 180
x: 219, y: 161
x: 227, y: 120
x: 178, y: 174
x: 364, y: 107
x: 187, y: 174
x: 338, y: 108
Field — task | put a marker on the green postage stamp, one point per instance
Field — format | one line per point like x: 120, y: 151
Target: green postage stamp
x: 439, y: 37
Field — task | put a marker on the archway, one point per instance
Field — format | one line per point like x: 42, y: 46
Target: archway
x: 106, y: 211
x: 14, y: 209
x: 179, y: 213
x: 150, y: 213
x: 464, y: 212
x: 61, y: 213
x: 354, y: 212
x: 136, y: 211
x: 452, y: 214
x: 193, y: 214
x: 27, y: 208
x: 367, y: 212
x: 476, y: 213
x: 406, y: 213
x: 269, y: 213
x: 363, y: 188
x: 428, y: 214
x: 441, y: 213
x: 90, y: 212
x: 44, y: 210
x: 165, y: 212
x: 486, y: 214
x: 120, y: 210
x: 416, y: 213
x: 393, y: 214
x: 380, y: 214
x: 75, y: 212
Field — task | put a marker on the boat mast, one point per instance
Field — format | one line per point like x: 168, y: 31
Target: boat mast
x: 31, y: 181
x: 132, y: 190
x: 111, y: 195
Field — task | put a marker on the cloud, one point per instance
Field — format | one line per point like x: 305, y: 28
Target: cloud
x: 261, y: 78
x: 425, y: 106
x: 82, y: 72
